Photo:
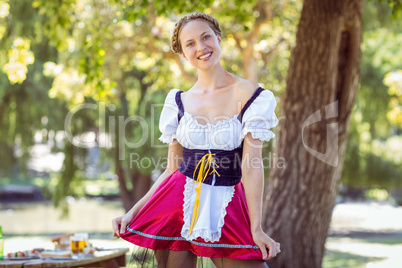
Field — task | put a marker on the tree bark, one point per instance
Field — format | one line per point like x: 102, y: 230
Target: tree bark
x: 126, y: 195
x: 323, y: 76
x: 142, y: 183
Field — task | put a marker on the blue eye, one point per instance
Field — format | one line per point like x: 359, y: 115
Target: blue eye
x: 207, y: 36
x: 190, y: 44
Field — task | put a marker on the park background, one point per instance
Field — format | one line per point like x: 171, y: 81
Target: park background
x: 115, y: 58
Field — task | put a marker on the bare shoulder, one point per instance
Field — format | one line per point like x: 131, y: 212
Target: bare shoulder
x: 245, y: 89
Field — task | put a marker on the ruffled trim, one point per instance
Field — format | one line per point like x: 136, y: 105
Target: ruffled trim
x: 167, y: 138
x: 188, y: 188
x: 228, y: 121
x: 228, y: 197
x: 205, y: 234
x: 261, y: 134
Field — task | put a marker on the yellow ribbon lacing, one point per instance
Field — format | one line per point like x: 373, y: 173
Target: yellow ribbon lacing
x: 205, y: 163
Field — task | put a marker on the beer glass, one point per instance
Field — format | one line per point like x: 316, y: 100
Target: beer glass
x: 84, y: 236
x: 77, y: 244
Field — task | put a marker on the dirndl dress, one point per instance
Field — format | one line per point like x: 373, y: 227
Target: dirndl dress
x: 205, y: 214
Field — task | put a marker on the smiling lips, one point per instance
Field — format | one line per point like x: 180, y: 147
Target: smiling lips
x: 205, y: 56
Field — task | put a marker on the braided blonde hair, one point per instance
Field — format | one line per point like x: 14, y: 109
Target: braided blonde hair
x: 213, y: 23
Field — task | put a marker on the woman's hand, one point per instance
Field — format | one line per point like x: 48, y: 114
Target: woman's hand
x: 119, y: 224
x: 263, y: 241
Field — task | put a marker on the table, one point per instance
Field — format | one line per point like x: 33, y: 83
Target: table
x: 109, y: 259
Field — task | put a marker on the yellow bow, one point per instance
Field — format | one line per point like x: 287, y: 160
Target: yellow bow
x: 205, y: 162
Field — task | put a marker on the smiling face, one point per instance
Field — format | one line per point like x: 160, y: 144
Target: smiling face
x: 200, y: 45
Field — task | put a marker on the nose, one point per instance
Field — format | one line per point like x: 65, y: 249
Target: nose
x: 201, y: 46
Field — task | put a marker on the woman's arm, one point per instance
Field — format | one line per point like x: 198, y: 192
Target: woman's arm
x: 175, y: 158
x: 253, y: 181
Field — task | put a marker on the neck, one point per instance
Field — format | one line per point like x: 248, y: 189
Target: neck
x: 212, y: 79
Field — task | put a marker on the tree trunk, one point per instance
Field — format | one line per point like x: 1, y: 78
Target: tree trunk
x: 323, y: 77
x: 249, y: 62
x: 126, y: 195
x: 141, y: 184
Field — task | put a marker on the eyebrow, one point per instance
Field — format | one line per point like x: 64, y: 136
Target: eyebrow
x: 200, y: 35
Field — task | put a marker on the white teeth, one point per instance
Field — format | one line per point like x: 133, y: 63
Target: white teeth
x: 205, y: 56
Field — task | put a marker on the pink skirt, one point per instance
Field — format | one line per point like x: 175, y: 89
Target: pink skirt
x: 158, y: 225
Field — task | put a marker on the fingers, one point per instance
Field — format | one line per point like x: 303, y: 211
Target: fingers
x: 263, y: 250
x: 278, y: 247
x: 272, y: 251
x: 115, y: 235
x: 275, y: 249
x: 123, y: 226
x: 264, y: 243
x: 115, y: 224
x: 116, y: 227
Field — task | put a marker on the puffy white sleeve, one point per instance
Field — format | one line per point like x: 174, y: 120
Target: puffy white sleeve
x: 168, y: 121
x: 260, y: 117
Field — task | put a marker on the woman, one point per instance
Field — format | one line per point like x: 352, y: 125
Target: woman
x: 208, y: 201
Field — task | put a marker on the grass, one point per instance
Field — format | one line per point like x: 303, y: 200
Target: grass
x: 394, y: 240
x: 362, y: 251
x: 336, y: 259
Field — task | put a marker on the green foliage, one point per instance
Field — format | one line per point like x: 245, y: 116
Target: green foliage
x: 112, y: 53
x: 135, y: 9
x: 371, y: 159
x: 396, y: 7
x: 394, y: 81
x: 58, y: 19
x: 377, y: 194
x: 24, y: 106
x: 19, y: 57
x: 119, y: 53
x: 371, y: 165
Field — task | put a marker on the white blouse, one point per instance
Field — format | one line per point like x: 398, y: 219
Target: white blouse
x: 226, y: 134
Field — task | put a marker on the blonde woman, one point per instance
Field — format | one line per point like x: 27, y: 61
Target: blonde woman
x: 208, y: 201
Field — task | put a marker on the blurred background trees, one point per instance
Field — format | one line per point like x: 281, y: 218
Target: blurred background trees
x: 373, y: 158
x: 57, y: 57
x: 83, y: 83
